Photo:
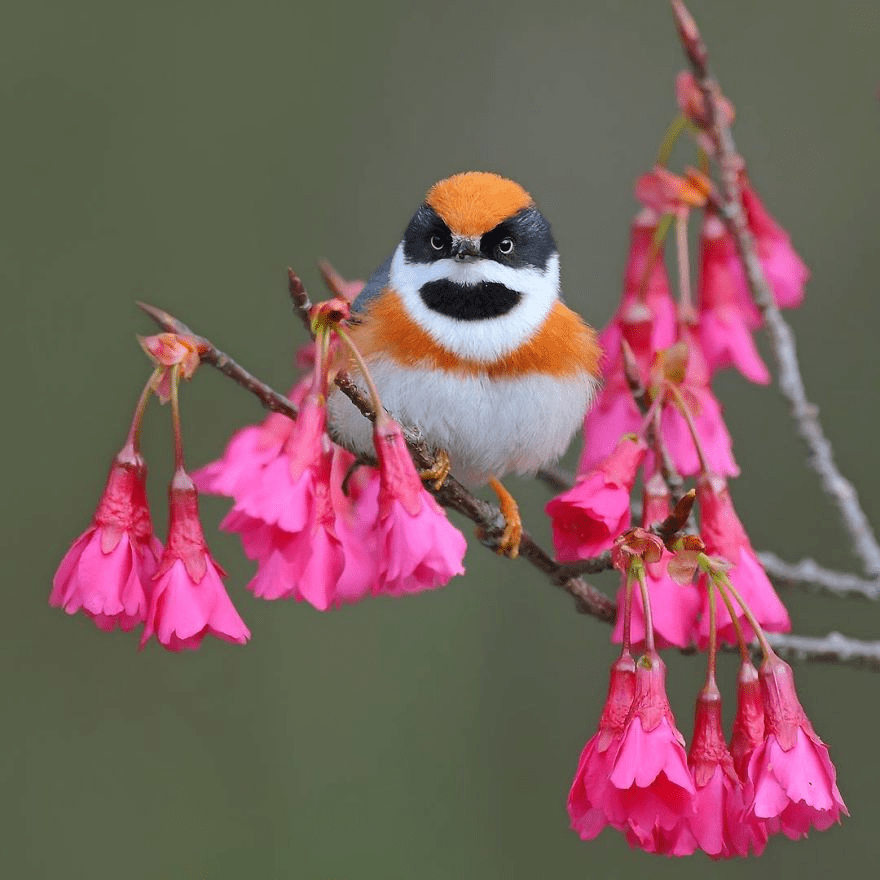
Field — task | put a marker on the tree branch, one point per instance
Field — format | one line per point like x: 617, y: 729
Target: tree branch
x: 451, y: 494
x: 557, y: 478
x: 221, y: 361
x: 807, y: 573
x: 588, y: 600
x: 833, y: 648
x: 791, y: 383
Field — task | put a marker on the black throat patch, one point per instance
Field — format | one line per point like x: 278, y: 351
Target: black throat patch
x: 469, y: 302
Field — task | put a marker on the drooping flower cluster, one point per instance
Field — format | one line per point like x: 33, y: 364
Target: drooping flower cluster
x: 588, y: 518
x: 323, y: 527
x: 684, y: 344
x: 108, y: 571
x: 314, y: 542
x: 634, y: 775
x: 117, y: 571
x: 668, y: 351
x: 187, y: 599
x: 676, y: 606
x: 775, y: 775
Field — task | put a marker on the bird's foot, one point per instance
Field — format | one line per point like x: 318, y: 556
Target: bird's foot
x: 439, y: 471
x: 508, y: 544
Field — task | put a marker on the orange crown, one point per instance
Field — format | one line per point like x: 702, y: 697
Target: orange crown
x: 474, y: 202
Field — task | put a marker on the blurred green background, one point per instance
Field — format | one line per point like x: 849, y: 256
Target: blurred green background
x: 186, y: 153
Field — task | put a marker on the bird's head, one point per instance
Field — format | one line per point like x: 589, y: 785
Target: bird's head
x: 477, y: 252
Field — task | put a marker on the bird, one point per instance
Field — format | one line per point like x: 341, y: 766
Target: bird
x: 467, y: 339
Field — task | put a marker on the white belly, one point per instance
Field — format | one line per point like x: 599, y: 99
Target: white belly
x: 489, y: 427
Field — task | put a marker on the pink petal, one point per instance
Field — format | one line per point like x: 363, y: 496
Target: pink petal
x: 613, y: 414
x: 275, y: 577
x: 419, y: 552
x: 245, y: 456
x: 320, y: 571
x: 182, y: 612
x: 66, y: 579
x: 675, y: 609
x: 726, y: 341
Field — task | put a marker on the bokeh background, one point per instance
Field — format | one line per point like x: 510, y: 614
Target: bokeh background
x: 186, y: 153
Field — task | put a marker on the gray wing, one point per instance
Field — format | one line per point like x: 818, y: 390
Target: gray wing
x: 377, y: 283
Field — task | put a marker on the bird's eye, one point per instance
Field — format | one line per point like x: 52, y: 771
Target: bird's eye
x: 436, y: 242
x: 505, y: 246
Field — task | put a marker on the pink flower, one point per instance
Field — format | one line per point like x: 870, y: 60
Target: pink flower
x: 306, y: 566
x: 748, y: 734
x: 188, y: 600
x: 724, y: 328
x: 793, y: 779
x: 716, y: 826
x: 725, y: 536
x: 108, y: 569
x: 650, y: 769
x: 593, y: 802
x: 646, y: 319
x: 589, y: 516
x: 168, y: 350
x: 706, y: 412
x: 613, y: 414
x: 786, y: 272
x: 283, y: 494
x: 646, y: 316
x: 674, y: 607
x: 174, y: 350
x: 249, y: 451
x: 286, y: 520
x: 419, y: 548
x: 748, y: 726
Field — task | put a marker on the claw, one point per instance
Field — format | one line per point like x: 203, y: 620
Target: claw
x: 439, y: 471
x: 508, y: 544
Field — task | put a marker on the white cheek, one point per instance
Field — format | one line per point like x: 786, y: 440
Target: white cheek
x: 489, y: 339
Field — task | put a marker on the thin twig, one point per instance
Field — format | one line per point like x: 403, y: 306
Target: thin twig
x: 557, y: 478
x: 221, y: 361
x: 833, y: 648
x: 300, y: 299
x: 790, y: 380
x: 807, y: 573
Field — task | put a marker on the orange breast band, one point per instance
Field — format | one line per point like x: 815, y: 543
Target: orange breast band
x: 563, y: 346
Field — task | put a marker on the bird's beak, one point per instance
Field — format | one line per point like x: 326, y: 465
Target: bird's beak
x: 465, y: 249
